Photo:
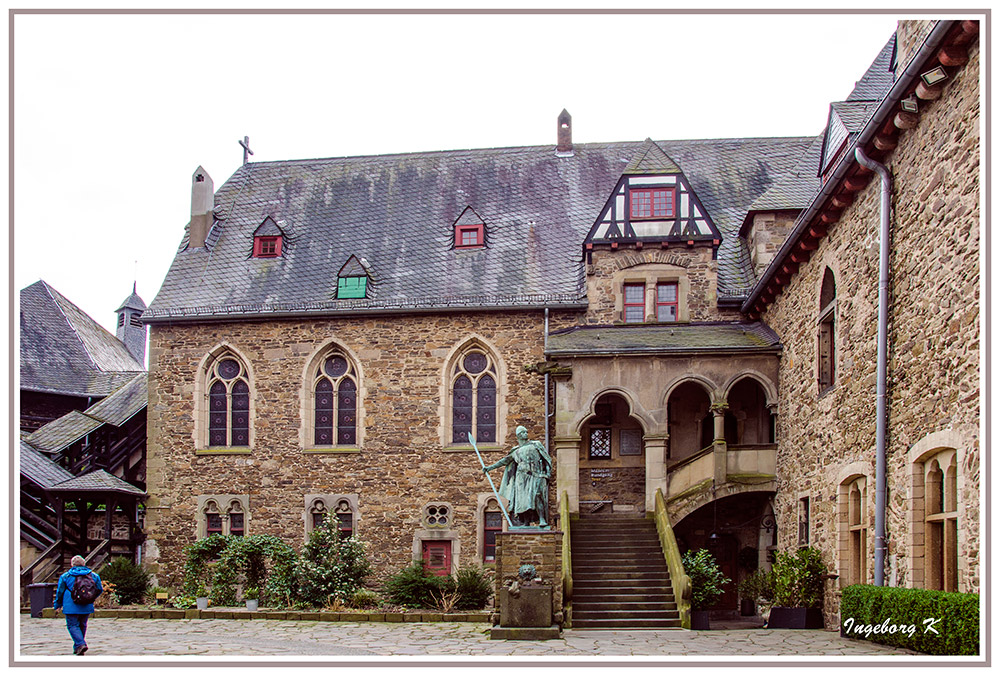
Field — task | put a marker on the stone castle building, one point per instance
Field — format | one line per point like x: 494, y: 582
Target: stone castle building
x: 698, y: 318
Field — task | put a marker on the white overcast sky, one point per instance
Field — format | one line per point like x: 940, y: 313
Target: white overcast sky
x: 113, y: 113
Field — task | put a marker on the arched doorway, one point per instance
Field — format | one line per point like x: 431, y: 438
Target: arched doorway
x: 748, y: 419
x: 612, y: 462
x: 690, y: 420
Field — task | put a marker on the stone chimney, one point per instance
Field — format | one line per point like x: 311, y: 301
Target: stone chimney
x: 202, y: 203
x: 131, y: 331
x: 564, y: 144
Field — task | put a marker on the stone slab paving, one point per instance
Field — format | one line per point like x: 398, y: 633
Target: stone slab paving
x: 120, y: 637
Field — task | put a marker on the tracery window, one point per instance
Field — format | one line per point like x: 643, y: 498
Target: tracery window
x: 474, y: 397
x: 941, y: 522
x: 339, y: 509
x: 855, y: 522
x: 335, y: 401
x: 222, y: 515
x: 826, y: 335
x: 228, y: 403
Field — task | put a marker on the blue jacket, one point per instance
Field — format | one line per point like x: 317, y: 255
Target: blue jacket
x: 64, y: 599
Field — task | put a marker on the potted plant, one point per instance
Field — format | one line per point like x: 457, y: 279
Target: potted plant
x: 748, y: 562
x: 797, y: 581
x: 201, y: 596
x: 251, y: 596
x: 706, y: 584
x: 755, y: 588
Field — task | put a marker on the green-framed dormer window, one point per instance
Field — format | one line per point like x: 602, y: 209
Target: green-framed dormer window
x: 352, y: 287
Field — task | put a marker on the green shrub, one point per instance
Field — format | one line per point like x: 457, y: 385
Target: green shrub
x: 416, y: 587
x: 706, y: 578
x: 365, y: 598
x: 183, y: 602
x: 797, y: 579
x: 474, y: 588
x: 758, y: 587
x: 131, y: 580
x: 330, y: 567
x: 909, y: 618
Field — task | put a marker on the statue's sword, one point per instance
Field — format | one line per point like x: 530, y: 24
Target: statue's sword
x: 492, y: 485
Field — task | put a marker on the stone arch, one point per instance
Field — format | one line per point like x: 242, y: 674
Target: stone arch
x: 678, y: 510
x: 645, y: 419
x: 309, y: 367
x: 769, y: 388
x: 472, y: 342
x: 711, y: 389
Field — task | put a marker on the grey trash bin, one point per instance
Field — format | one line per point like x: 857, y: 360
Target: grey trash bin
x: 41, y: 595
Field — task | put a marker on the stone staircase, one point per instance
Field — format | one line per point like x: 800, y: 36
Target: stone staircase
x: 620, y: 578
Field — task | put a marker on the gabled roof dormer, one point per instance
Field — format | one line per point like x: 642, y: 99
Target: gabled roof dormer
x: 268, y: 239
x: 653, y: 202
x: 353, y: 280
x: 469, y: 230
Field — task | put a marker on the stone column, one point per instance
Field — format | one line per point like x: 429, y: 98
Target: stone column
x: 719, y: 443
x: 656, y: 468
x: 567, y: 452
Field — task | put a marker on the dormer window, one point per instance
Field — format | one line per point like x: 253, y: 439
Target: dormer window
x: 352, y: 287
x: 652, y: 203
x: 470, y: 230
x: 267, y: 247
x: 468, y: 236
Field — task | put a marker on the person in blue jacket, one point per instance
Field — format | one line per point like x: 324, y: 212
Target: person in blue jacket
x: 76, y: 615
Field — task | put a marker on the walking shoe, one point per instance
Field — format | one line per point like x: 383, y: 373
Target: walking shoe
x: 83, y: 649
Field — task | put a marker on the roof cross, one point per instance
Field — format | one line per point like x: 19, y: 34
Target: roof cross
x: 246, y: 148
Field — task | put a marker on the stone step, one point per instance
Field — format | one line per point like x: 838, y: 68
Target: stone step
x: 599, y: 565
x: 627, y: 623
x: 621, y: 575
x: 581, y: 614
x: 624, y: 606
x: 623, y: 595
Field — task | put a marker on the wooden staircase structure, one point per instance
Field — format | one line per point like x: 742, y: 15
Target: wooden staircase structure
x: 620, y: 575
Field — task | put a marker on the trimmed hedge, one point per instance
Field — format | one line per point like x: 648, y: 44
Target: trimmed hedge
x: 909, y: 618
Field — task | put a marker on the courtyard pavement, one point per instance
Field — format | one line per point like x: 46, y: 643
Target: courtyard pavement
x: 255, y: 639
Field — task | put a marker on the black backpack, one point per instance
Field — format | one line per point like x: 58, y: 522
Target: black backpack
x: 84, y: 590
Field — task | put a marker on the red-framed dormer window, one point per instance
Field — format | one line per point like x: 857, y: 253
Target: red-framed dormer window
x: 267, y: 247
x: 653, y: 203
x: 469, y: 236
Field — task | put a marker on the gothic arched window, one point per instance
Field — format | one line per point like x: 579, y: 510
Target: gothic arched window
x: 474, y: 397
x: 335, y: 401
x: 228, y: 402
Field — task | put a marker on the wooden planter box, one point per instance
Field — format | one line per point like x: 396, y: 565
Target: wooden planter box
x: 795, y: 618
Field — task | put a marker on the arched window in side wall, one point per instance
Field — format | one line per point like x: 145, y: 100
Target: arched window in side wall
x: 228, y: 402
x: 854, y: 531
x: 941, y: 522
x: 826, y: 335
x: 335, y: 401
x: 474, y: 387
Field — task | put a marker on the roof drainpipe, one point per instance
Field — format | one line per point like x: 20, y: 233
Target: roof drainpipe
x: 547, y: 414
x: 881, y: 415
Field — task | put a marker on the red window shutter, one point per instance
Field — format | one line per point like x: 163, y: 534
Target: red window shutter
x: 437, y: 556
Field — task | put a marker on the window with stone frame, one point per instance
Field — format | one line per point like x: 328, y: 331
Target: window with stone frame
x: 340, y: 509
x: 228, y: 389
x: 854, y: 524
x: 634, y: 303
x: 940, y: 474
x: 826, y: 333
x: 803, y: 519
x: 492, y: 524
x: 666, y: 302
x: 335, y: 401
x: 222, y: 515
x: 474, y: 384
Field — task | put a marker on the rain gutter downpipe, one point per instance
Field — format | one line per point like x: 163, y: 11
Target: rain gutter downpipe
x: 545, y: 350
x: 881, y: 414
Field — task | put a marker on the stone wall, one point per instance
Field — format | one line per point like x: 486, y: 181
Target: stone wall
x: 402, y: 463
x: 934, y: 341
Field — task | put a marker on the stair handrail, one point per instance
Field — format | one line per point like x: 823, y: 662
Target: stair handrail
x: 567, y: 556
x: 99, y: 555
x: 671, y: 552
x: 27, y: 575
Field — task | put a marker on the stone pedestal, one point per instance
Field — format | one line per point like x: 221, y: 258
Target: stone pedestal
x: 536, y: 612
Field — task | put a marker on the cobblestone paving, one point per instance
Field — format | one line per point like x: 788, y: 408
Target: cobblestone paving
x: 277, y: 638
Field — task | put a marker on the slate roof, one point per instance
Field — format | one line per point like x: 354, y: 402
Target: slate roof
x: 39, y: 469
x: 397, y: 213
x: 114, y: 409
x: 879, y: 77
x: 699, y: 337
x: 133, y: 302
x: 98, y: 481
x: 64, y: 351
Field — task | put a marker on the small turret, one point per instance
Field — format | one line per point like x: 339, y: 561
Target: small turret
x: 130, y: 330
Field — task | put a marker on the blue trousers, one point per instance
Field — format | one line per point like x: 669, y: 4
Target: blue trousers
x: 77, y: 625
